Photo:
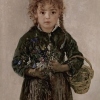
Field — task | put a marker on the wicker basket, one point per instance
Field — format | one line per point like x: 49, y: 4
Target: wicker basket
x: 80, y: 82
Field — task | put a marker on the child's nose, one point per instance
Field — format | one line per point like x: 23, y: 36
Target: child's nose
x: 47, y: 15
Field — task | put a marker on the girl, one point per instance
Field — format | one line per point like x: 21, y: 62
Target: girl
x: 40, y: 54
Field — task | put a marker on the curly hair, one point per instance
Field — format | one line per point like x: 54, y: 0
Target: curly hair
x: 33, y: 5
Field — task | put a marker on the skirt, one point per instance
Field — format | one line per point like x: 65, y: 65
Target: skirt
x: 57, y: 88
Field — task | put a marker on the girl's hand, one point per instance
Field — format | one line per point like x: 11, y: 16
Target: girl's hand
x: 37, y: 73
x: 57, y: 67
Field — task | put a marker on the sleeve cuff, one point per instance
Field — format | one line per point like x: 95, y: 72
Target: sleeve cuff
x: 72, y: 70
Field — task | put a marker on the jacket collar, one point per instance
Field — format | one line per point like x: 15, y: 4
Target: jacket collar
x: 56, y: 26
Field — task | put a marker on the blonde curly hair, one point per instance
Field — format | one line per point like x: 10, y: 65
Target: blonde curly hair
x: 33, y: 5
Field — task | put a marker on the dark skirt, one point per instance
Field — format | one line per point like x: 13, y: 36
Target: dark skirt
x: 57, y: 88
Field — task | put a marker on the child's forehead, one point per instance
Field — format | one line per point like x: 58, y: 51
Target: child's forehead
x: 47, y: 6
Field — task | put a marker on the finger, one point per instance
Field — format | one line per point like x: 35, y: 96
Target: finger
x: 49, y: 67
x: 54, y: 61
x: 41, y: 69
x: 50, y: 64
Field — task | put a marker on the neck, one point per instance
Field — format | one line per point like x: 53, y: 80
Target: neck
x: 47, y: 30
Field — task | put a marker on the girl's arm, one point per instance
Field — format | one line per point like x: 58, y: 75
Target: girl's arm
x: 71, y: 49
x: 21, y: 59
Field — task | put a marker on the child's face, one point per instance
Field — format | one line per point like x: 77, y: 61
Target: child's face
x: 47, y: 16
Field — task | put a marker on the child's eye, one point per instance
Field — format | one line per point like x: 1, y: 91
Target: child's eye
x: 42, y: 12
x: 53, y: 12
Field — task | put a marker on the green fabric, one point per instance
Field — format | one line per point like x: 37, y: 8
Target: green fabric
x: 31, y: 44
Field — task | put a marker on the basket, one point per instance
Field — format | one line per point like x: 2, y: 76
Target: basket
x: 81, y: 81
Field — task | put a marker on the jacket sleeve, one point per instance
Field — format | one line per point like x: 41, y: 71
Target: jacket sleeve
x: 20, y: 59
x: 71, y: 50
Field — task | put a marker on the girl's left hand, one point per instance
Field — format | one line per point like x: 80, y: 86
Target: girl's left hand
x: 55, y: 66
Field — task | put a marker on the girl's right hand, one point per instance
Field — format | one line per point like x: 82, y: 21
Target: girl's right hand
x: 36, y: 73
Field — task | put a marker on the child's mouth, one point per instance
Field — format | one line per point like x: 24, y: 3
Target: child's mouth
x: 47, y: 22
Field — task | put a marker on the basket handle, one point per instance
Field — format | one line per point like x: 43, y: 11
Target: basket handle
x: 82, y: 58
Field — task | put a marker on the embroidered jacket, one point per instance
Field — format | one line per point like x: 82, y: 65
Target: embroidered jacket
x: 33, y: 50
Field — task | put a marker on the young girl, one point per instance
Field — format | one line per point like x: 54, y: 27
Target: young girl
x: 40, y: 54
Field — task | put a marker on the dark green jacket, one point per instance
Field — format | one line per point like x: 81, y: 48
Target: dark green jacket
x: 33, y: 45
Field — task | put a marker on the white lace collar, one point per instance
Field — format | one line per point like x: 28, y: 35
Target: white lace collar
x: 51, y: 31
